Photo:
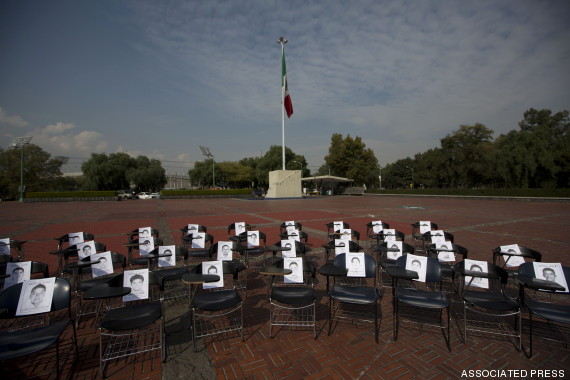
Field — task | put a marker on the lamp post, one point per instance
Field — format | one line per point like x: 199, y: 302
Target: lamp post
x: 206, y: 152
x: 19, y: 142
x: 409, y: 167
x: 301, y: 167
x: 380, y: 176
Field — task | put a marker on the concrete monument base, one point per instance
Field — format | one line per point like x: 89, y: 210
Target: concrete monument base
x: 284, y: 184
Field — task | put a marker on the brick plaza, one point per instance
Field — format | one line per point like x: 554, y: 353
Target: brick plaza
x: 349, y: 352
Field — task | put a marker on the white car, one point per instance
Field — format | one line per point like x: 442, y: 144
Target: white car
x: 144, y: 195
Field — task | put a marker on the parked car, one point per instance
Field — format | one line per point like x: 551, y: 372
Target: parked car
x: 144, y: 195
x: 154, y: 195
x: 124, y: 194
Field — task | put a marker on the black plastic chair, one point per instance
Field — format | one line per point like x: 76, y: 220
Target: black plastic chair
x: 184, y: 232
x: 293, y: 304
x: 197, y: 255
x: 487, y: 311
x: 134, y: 248
x: 331, y: 246
x: 549, y: 319
x: 219, y: 310
x: 331, y: 230
x: 119, y: 263
x: 134, y: 234
x: 417, y: 237
x: 351, y: 301
x: 428, y: 237
x: 372, y: 235
x: 502, y: 259
x: 135, y: 328
x: 15, y: 344
x: 300, y: 250
x: 174, y: 289
x: 283, y: 227
x: 423, y: 306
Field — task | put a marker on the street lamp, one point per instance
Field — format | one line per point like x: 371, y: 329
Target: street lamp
x: 206, y: 152
x: 19, y: 142
x: 301, y: 167
x: 409, y: 167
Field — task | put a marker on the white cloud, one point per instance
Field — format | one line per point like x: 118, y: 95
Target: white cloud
x: 59, y: 139
x: 7, y: 120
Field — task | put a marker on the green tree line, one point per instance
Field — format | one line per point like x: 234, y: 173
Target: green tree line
x: 537, y: 155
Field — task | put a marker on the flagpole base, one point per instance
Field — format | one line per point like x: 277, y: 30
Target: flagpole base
x: 284, y: 184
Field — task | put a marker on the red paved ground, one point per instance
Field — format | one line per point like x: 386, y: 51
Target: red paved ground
x: 350, y: 352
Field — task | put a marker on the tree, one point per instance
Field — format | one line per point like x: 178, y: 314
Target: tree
x: 467, y: 152
x: 234, y: 175
x: 104, y: 172
x: 349, y: 158
x: 273, y: 160
x: 202, y: 173
x: 41, y: 172
x: 147, y: 175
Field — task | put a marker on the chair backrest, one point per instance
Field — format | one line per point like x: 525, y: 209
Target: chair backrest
x: 73, y: 252
x: 134, y: 234
x: 283, y: 227
x: 302, y: 236
x: 433, y: 270
x: 232, y: 227
x: 61, y: 297
x: 499, y: 258
x: 184, y: 231
x: 65, y: 239
x: 369, y: 264
x: 447, y: 235
x: 208, y: 239
x: 300, y: 248
x: 229, y: 268
x: 262, y: 238
x: 154, y: 278
x: 399, y: 235
x: 457, y: 249
x: 180, y: 252
x: 416, y: 228
x: 370, y: 229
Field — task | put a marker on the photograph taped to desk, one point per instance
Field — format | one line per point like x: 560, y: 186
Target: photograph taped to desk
x: 18, y: 271
x: 137, y: 280
x: 337, y: 226
x: 145, y: 232
x: 291, y: 244
x: 5, y: 246
x: 85, y: 249
x: 425, y: 226
x: 377, y: 226
x: 147, y: 246
x: 292, y: 233
x: 192, y: 229
x: 443, y: 251
x: 36, y: 296
x: 345, y: 233
x: 341, y: 246
x: 437, y: 236
x: 239, y: 228
x: 75, y: 238
x: 551, y: 272
x: 252, y: 238
x: 355, y: 264
x: 393, y: 255
x: 296, y: 266
x: 476, y: 266
x: 417, y: 264
x: 167, y: 261
x: 389, y: 234
x: 199, y: 240
x: 213, y: 267
x: 512, y: 249
x: 104, y: 266
x: 225, y: 250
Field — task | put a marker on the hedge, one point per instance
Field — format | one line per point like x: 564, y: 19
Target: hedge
x: 224, y: 192
x: 533, y: 193
x: 72, y: 194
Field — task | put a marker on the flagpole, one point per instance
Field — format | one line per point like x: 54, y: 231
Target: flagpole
x: 282, y: 41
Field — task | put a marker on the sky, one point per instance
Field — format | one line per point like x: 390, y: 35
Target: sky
x: 161, y: 78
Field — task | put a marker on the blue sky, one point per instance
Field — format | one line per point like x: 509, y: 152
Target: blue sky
x: 160, y: 78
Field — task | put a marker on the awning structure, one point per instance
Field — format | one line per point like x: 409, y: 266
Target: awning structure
x: 327, y: 179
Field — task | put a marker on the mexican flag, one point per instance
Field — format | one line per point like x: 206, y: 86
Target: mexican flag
x: 286, y: 97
